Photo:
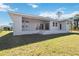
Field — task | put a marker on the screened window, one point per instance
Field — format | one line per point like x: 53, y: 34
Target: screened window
x: 23, y: 21
x: 53, y: 24
x: 56, y: 23
x: 27, y: 21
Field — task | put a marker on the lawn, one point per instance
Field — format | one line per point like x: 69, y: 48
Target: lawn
x: 39, y: 45
x: 2, y: 33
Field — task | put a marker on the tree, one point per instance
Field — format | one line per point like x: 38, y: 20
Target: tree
x: 59, y: 13
x: 6, y: 28
x: 76, y: 22
x: 0, y: 29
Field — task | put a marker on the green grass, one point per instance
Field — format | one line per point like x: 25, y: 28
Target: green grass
x: 2, y: 33
x: 43, y: 45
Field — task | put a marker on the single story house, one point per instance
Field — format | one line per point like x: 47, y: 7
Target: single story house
x: 32, y: 24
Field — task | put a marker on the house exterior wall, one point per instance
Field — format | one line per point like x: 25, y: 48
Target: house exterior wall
x: 17, y: 19
x: 17, y: 27
x: 32, y: 25
x: 76, y: 22
x: 67, y: 26
x: 56, y: 30
x: 17, y: 24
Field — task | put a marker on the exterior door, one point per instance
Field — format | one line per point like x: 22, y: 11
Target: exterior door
x: 60, y: 26
x: 47, y: 26
x: 41, y: 26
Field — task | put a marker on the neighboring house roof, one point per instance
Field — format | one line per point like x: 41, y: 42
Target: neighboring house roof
x: 38, y: 17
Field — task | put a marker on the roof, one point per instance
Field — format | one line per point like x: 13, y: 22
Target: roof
x: 36, y: 17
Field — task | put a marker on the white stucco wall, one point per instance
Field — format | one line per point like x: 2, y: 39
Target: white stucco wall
x: 32, y: 26
x: 56, y: 29
x: 17, y: 27
x: 52, y: 28
x: 64, y: 26
x: 17, y: 24
x: 67, y: 26
x: 17, y: 19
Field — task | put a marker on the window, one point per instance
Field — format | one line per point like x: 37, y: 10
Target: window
x: 37, y: 28
x: 56, y: 23
x: 23, y: 21
x: 53, y: 24
x: 22, y: 26
x: 26, y: 26
x: 27, y: 21
x: 60, y: 26
x: 47, y: 26
x: 41, y: 27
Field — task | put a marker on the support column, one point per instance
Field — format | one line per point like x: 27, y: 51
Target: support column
x: 50, y: 25
x: 67, y: 26
x: 17, y: 24
x: 43, y: 26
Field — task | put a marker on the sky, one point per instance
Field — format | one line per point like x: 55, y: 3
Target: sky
x: 41, y: 9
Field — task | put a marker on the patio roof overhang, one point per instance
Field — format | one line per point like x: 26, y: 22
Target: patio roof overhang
x: 35, y: 17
